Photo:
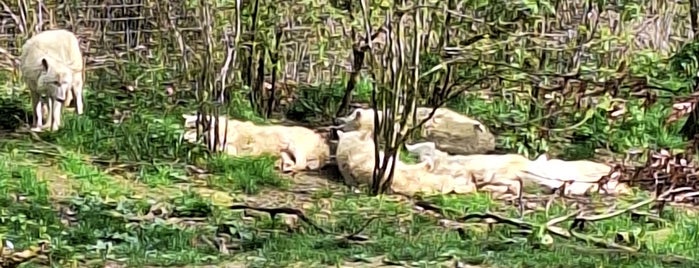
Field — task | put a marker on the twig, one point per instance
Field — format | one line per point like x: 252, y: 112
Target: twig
x: 355, y: 235
x: 499, y: 219
x: 282, y: 210
x: 630, y: 208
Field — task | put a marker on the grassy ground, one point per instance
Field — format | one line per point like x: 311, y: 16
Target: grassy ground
x: 134, y: 194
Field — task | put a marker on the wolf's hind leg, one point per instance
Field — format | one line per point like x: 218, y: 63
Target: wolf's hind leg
x: 77, y: 91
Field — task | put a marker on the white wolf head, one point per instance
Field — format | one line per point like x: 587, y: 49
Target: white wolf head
x: 359, y: 119
x: 55, y: 79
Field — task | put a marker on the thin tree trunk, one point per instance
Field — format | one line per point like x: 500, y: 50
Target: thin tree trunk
x: 691, y: 127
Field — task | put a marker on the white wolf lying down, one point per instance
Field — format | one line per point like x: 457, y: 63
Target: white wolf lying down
x: 355, y: 159
x: 52, y: 65
x: 299, y: 148
x: 452, y: 132
x: 583, y: 176
x: 496, y: 170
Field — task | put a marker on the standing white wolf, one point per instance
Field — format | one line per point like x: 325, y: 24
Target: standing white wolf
x: 52, y: 66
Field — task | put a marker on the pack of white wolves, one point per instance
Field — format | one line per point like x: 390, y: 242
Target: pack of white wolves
x: 455, y: 155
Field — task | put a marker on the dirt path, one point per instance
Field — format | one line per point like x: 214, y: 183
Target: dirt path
x: 304, y: 191
x: 60, y: 186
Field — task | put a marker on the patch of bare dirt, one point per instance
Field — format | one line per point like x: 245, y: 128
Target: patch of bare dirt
x: 303, y: 189
x: 60, y: 187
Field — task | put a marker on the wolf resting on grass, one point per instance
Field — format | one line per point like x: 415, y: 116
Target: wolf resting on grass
x: 299, y: 148
x: 52, y: 66
x: 582, y: 176
x: 452, y: 132
x: 495, y: 171
x: 355, y: 159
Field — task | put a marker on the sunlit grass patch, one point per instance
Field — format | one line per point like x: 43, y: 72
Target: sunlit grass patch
x: 247, y: 174
x: 322, y: 193
x: 396, y: 233
x: 91, y: 179
x: 142, y: 137
x: 161, y: 175
x: 455, y: 205
x: 400, y: 234
x: 107, y: 228
x: 26, y: 214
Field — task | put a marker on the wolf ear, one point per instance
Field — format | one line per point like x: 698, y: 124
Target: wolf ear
x: 44, y: 65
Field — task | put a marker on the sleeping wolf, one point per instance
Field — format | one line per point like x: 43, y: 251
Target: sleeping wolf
x: 451, y: 131
x: 300, y: 148
x: 355, y: 159
x: 495, y: 172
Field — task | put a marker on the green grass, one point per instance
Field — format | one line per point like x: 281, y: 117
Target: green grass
x: 247, y: 174
x: 117, y: 174
x: 127, y: 193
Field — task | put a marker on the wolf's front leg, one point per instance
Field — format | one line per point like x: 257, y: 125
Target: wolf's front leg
x: 288, y: 155
x: 299, y: 155
x: 55, y: 113
x: 49, y: 118
x: 287, y: 163
x: 38, y: 112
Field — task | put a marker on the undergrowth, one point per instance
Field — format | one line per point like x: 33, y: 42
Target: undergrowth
x: 132, y: 191
x: 115, y: 169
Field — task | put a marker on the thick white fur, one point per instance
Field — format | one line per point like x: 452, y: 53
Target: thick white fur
x: 362, y: 119
x: 52, y: 66
x: 299, y: 148
x: 444, y: 121
x: 498, y: 171
x: 582, y: 176
x: 359, y: 120
x: 355, y: 159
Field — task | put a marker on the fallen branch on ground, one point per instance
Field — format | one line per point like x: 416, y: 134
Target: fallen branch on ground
x: 579, y: 219
x: 282, y: 210
x: 354, y: 236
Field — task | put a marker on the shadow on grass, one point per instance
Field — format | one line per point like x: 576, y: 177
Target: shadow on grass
x: 13, y: 114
